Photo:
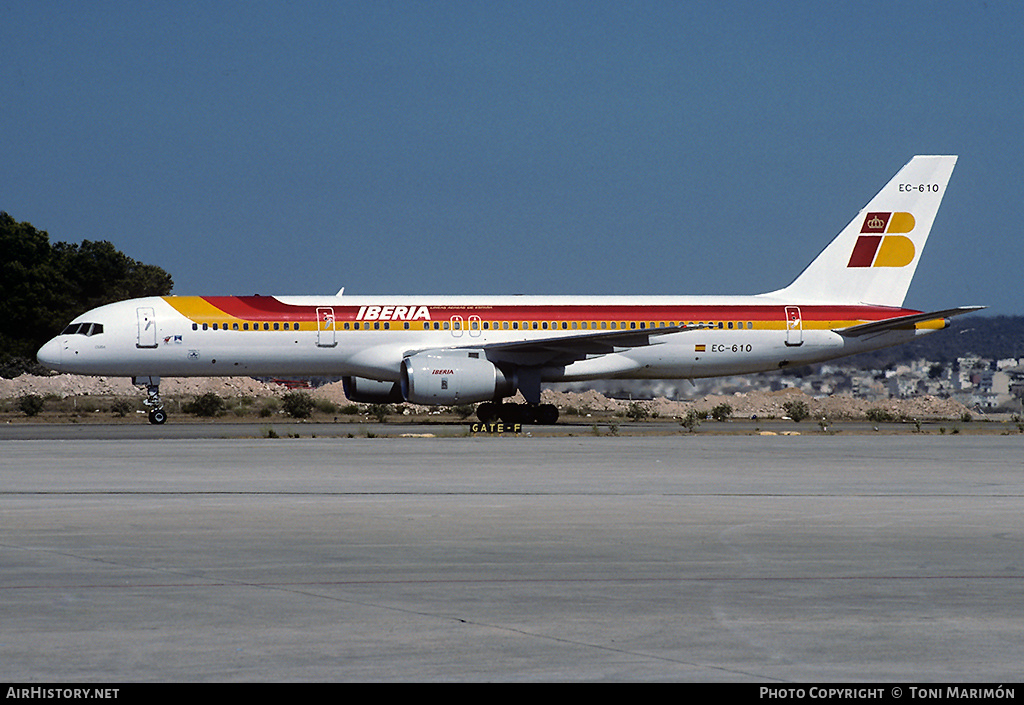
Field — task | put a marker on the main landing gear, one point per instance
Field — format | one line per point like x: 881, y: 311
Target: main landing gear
x: 157, y: 415
x: 542, y: 414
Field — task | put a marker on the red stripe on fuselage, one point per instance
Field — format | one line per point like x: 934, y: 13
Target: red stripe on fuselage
x: 268, y: 308
x: 261, y: 308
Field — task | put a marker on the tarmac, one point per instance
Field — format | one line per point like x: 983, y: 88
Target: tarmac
x: 738, y: 558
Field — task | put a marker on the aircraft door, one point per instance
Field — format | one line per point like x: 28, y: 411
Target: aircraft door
x: 794, y: 327
x: 147, y: 327
x: 474, y: 326
x: 457, y: 326
x: 326, y: 331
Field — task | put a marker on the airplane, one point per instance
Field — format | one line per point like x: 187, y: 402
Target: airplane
x: 449, y: 350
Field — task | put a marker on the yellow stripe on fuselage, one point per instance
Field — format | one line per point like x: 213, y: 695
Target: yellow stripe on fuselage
x: 198, y: 309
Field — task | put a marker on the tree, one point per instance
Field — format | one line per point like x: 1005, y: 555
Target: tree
x: 691, y: 422
x: 44, y: 286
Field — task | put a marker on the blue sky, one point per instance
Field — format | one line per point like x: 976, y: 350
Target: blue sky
x: 512, y: 147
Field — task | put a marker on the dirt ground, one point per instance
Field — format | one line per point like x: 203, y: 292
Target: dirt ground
x: 81, y: 393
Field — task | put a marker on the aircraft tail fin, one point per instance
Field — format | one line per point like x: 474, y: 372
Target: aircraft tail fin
x: 873, y: 259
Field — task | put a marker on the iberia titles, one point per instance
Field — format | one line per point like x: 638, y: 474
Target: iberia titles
x: 393, y: 313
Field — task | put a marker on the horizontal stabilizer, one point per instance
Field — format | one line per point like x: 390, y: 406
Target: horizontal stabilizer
x: 904, y: 321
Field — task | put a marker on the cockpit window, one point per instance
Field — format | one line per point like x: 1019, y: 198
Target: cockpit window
x: 87, y: 329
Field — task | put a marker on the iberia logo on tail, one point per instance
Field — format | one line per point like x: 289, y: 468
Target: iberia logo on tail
x: 879, y: 245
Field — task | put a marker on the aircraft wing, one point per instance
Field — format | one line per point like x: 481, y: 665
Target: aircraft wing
x: 903, y: 321
x: 578, y: 346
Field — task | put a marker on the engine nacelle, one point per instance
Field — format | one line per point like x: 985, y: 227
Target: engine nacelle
x: 370, y: 391
x: 446, y: 377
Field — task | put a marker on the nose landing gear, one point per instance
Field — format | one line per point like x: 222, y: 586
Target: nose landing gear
x: 157, y: 415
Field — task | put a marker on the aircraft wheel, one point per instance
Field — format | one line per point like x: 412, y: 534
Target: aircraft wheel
x: 157, y: 416
x: 512, y: 413
x: 487, y: 412
x: 546, y: 414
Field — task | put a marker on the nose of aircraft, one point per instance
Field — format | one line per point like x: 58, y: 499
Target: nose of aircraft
x: 50, y: 354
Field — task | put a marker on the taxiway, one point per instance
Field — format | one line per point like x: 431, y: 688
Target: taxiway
x: 685, y: 557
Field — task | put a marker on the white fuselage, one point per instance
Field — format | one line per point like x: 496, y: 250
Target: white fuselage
x: 370, y: 336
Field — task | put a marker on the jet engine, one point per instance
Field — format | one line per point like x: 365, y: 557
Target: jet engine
x: 446, y: 377
x: 370, y: 391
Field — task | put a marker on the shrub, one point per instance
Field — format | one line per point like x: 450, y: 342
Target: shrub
x: 721, y: 412
x: 298, y: 405
x: 30, y: 404
x: 325, y: 406
x: 637, y: 411
x: 797, y: 410
x: 379, y: 411
x: 879, y: 416
x: 121, y: 407
x: 463, y: 411
x: 208, y: 404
